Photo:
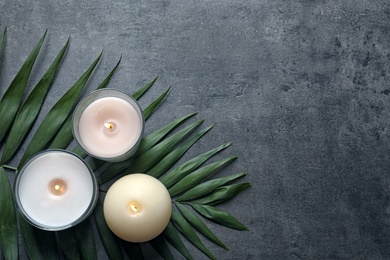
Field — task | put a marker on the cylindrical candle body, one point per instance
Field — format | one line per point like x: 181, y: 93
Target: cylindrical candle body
x: 108, y: 124
x: 137, y: 207
x: 56, y: 190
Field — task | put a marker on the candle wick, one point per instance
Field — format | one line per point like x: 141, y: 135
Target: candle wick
x: 108, y: 126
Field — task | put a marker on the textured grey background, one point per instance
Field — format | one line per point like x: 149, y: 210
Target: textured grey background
x: 300, y: 87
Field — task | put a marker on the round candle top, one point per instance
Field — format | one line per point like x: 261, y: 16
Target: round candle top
x: 137, y: 207
x: 109, y: 127
x: 55, y: 189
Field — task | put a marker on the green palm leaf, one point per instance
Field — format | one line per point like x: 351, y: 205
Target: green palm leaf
x: 68, y: 244
x: 223, y: 194
x: 171, y: 234
x: 196, y: 222
x: 65, y: 135
x: 152, y: 139
x: 147, y: 160
x: 29, y: 239
x: 184, y: 169
x: 140, y: 92
x: 110, y: 241
x: 185, y: 228
x: 57, y: 115
x: 197, y: 176
x: 160, y: 245
x: 219, y: 216
x: 169, y: 160
x: 30, y: 109
x: 133, y: 250
x: 47, y: 243
x: 207, y: 187
x: 11, y: 99
x: 8, y: 229
x: 153, y: 106
x: 158, y: 152
x: 147, y: 143
x: 85, y: 240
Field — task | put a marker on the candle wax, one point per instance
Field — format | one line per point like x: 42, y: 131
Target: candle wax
x: 109, y: 127
x: 137, y: 207
x: 55, y: 189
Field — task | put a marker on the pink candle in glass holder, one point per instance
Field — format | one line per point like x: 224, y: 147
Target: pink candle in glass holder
x: 108, y: 124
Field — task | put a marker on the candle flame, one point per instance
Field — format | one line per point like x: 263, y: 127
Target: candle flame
x: 134, y: 208
x: 57, y: 187
x: 109, y: 126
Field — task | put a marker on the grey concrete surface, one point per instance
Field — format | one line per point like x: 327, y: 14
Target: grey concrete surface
x: 300, y: 87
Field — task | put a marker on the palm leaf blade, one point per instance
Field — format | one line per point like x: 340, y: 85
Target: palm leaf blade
x: 158, y: 152
x: 207, y: 187
x: 223, y: 194
x: 148, y: 111
x: 12, y: 97
x: 184, y: 169
x: 152, y: 139
x: 29, y: 239
x: 133, y: 250
x: 110, y: 241
x: 85, y: 240
x: 219, y: 216
x: 8, y: 227
x: 198, y: 175
x: 160, y: 245
x: 196, y: 222
x: 30, y: 108
x: 169, y: 160
x: 185, y: 228
x: 146, y: 143
x: 148, y: 159
x: 68, y: 244
x: 171, y: 234
x: 140, y: 92
x: 107, y: 79
x: 57, y: 115
x: 48, y: 244
x: 65, y: 135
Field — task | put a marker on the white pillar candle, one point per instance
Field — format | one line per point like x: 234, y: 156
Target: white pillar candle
x: 108, y: 124
x: 56, y: 190
x: 137, y: 207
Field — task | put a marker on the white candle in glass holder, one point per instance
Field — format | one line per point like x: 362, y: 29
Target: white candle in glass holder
x: 108, y: 124
x: 56, y: 190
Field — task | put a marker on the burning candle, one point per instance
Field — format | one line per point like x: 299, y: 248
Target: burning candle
x: 56, y: 190
x: 108, y: 124
x: 137, y: 207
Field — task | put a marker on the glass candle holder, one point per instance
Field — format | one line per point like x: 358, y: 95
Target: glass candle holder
x: 56, y: 190
x: 109, y: 125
